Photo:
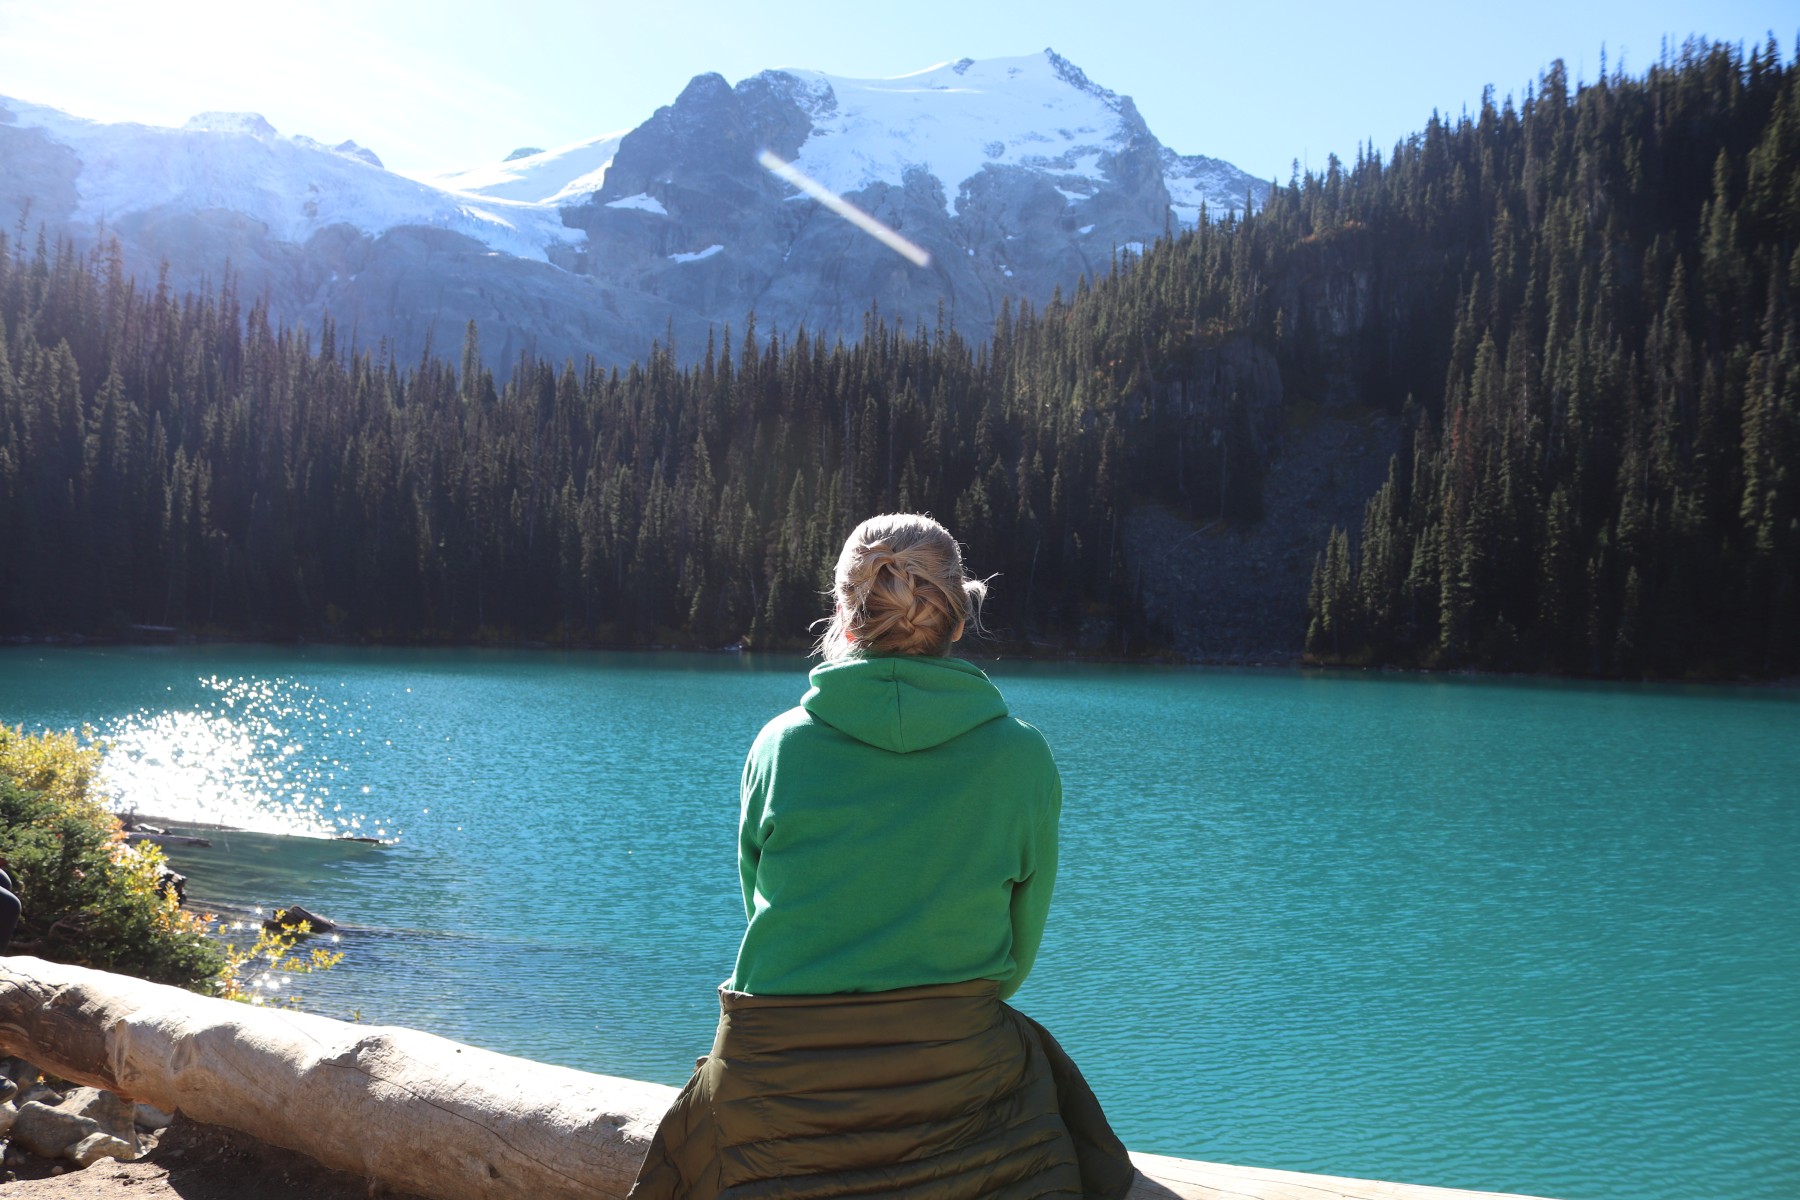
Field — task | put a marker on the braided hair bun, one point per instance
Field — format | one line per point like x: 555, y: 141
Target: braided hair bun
x: 900, y: 589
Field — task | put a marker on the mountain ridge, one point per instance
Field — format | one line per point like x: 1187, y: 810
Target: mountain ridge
x: 1020, y: 175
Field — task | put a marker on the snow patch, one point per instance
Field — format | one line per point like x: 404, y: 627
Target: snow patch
x: 1194, y: 180
x: 565, y: 175
x: 955, y: 120
x: 696, y: 255
x: 251, y: 123
x: 642, y: 202
x: 1085, y: 230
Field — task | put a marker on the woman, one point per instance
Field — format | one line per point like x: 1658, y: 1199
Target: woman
x: 897, y: 850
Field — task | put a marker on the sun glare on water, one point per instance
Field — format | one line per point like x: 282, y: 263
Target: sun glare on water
x: 271, y: 755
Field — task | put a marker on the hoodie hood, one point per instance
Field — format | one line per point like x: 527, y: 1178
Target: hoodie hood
x: 902, y: 703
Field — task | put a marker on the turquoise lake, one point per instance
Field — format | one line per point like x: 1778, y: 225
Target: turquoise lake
x: 1512, y: 935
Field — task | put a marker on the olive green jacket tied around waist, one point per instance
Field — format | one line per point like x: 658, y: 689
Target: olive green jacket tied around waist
x: 926, y: 1093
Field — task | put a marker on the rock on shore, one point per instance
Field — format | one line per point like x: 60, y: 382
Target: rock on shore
x: 86, y: 1144
x: 202, y: 1162
x: 51, y: 1131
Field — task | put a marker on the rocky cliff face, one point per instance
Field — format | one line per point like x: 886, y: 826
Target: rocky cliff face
x: 1365, y: 329
x: 688, y: 215
x: 1016, y: 175
x: 1215, y: 592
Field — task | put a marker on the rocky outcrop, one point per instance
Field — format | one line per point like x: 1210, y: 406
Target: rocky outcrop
x: 1364, y: 328
x: 1215, y: 592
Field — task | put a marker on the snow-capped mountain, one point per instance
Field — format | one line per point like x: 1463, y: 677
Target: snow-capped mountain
x: 957, y: 120
x: 1016, y: 175
x: 952, y: 121
x: 237, y: 162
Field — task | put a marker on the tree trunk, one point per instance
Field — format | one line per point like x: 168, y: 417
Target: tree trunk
x: 418, y: 1113
x: 414, y: 1112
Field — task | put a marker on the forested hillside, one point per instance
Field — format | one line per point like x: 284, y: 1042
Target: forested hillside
x: 1591, y: 336
x: 175, y: 461
x: 1608, y: 480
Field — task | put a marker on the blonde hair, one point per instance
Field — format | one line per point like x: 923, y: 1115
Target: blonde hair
x: 900, y: 588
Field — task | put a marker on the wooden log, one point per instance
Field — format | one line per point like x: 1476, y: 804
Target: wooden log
x: 413, y: 1112
x: 179, y: 840
x: 418, y: 1113
x: 1161, y: 1177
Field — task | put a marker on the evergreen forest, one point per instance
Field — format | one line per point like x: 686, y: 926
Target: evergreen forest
x: 1580, y: 305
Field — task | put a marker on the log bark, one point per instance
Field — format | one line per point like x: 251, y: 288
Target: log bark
x: 414, y: 1112
x: 418, y: 1113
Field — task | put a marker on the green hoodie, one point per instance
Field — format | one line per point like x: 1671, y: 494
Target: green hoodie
x: 898, y: 829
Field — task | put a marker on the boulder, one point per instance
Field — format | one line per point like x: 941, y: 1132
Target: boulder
x: 40, y: 1092
x: 170, y: 882
x: 114, y: 1116
x: 150, y: 1118
x: 96, y: 1146
x: 293, y: 914
x: 48, y: 1132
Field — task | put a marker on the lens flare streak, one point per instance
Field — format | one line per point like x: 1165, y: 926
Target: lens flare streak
x: 910, y: 251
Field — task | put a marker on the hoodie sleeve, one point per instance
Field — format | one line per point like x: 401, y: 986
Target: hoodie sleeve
x: 750, y: 814
x: 1031, y: 895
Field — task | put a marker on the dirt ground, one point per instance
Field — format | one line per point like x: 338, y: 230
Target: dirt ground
x: 202, y: 1162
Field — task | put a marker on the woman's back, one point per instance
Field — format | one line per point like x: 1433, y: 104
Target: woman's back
x: 899, y: 829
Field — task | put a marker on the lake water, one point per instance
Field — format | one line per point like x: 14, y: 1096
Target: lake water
x: 1520, y: 936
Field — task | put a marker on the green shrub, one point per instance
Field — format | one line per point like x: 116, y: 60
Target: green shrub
x: 89, y: 897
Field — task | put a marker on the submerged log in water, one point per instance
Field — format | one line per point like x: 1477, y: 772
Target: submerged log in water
x: 418, y: 1113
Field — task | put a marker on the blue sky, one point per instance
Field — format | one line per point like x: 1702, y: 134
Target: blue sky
x: 449, y: 84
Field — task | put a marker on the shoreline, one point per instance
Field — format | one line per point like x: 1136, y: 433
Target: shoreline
x: 1033, y: 651
x: 1013, y: 651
